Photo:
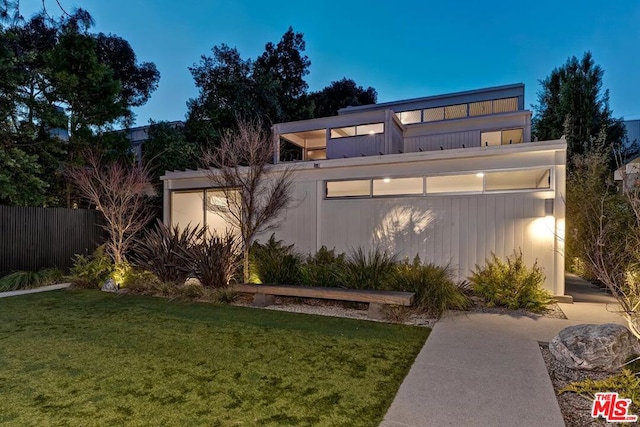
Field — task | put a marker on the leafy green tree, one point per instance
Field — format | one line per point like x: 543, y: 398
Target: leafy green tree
x: 572, y: 103
x: 340, y: 94
x: 226, y: 89
x: 279, y: 73
x: 20, y: 182
x: 56, y: 75
x: 137, y: 80
x: 269, y: 89
x: 83, y: 84
x: 167, y: 149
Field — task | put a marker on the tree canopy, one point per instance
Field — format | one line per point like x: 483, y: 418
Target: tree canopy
x: 572, y: 103
x: 340, y: 94
x: 62, y: 88
x: 167, y: 149
x: 269, y: 89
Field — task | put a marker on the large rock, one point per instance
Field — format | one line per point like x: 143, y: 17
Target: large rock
x: 594, y: 347
x: 109, y: 285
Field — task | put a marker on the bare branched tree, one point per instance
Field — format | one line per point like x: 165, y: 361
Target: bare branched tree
x: 257, y: 192
x: 611, y: 240
x: 117, y: 190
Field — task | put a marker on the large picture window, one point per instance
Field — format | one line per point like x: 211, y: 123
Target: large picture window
x: 187, y: 207
x: 463, y: 183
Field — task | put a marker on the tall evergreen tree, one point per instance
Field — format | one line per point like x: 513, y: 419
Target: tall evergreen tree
x: 573, y: 103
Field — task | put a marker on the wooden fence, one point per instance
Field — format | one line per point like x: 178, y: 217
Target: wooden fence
x: 35, y: 238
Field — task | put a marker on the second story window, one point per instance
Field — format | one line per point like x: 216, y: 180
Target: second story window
x: 501, y: 137
x: 359, y: 130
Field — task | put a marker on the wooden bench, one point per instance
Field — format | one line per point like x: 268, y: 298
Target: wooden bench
x: 264, y: 295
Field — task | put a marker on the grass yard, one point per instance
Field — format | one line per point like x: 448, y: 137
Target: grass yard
x: 85, y: 358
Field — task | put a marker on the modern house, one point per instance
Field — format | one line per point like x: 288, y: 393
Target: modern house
x: 451, y: 178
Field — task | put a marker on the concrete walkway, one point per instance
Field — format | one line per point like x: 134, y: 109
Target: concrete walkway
x: 34, y: 290
x: 480, y: 369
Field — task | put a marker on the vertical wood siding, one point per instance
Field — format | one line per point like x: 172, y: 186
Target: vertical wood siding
x: 446, y: 141
x: 461, y: 231
x: 35, y: 238
x: 356, y: 146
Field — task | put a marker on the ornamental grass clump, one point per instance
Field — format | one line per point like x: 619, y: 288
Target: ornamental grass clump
x: 29, y: 279
x: 511, y: 284
x: 626, y: 383
x: 433, y: 285
x: 370, y: 270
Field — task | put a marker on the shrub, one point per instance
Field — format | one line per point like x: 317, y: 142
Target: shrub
x: 216, y: 260
x: 224, y: 296
x: 370, y: 270
x: 138, y: 279
x: 324, y: 269
x: 161, y: 250
x: 29, y: 279
x: 433, y: 285
x: 625, y: 383
x: 189, y: 291
x: 92, y: 270
x: 511, y: 284
x: 275, y: 262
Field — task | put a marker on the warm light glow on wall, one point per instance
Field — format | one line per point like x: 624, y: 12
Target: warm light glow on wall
x: 543, y: 228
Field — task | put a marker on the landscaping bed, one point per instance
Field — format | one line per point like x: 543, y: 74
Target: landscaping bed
x: 351, y: 310
x: 85, y: 357
x: 576, y: 410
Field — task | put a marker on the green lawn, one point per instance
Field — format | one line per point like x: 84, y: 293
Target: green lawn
x: 90, y: 358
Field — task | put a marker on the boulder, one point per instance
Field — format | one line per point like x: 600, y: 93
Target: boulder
x: 109, y: 285
x: 594, y: 347
x: 192, y: 281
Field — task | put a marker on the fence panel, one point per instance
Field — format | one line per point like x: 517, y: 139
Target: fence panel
x: 34, y: 238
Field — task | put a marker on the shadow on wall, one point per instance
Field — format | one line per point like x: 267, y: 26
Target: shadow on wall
x: 403, y: 229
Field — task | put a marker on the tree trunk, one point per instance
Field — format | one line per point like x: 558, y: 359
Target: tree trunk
x: 245, y: 267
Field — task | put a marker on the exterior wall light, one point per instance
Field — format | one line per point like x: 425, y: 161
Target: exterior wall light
x: 548, y: 207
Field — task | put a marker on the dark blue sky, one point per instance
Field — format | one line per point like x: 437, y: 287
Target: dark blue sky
x: 404, y: 49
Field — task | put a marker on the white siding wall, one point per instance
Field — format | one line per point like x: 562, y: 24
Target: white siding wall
x: 446, y: 141
x: 356, y: 146
x: 460, y: 230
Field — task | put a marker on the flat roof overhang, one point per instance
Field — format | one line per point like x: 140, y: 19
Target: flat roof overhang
x: 470, y: 153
